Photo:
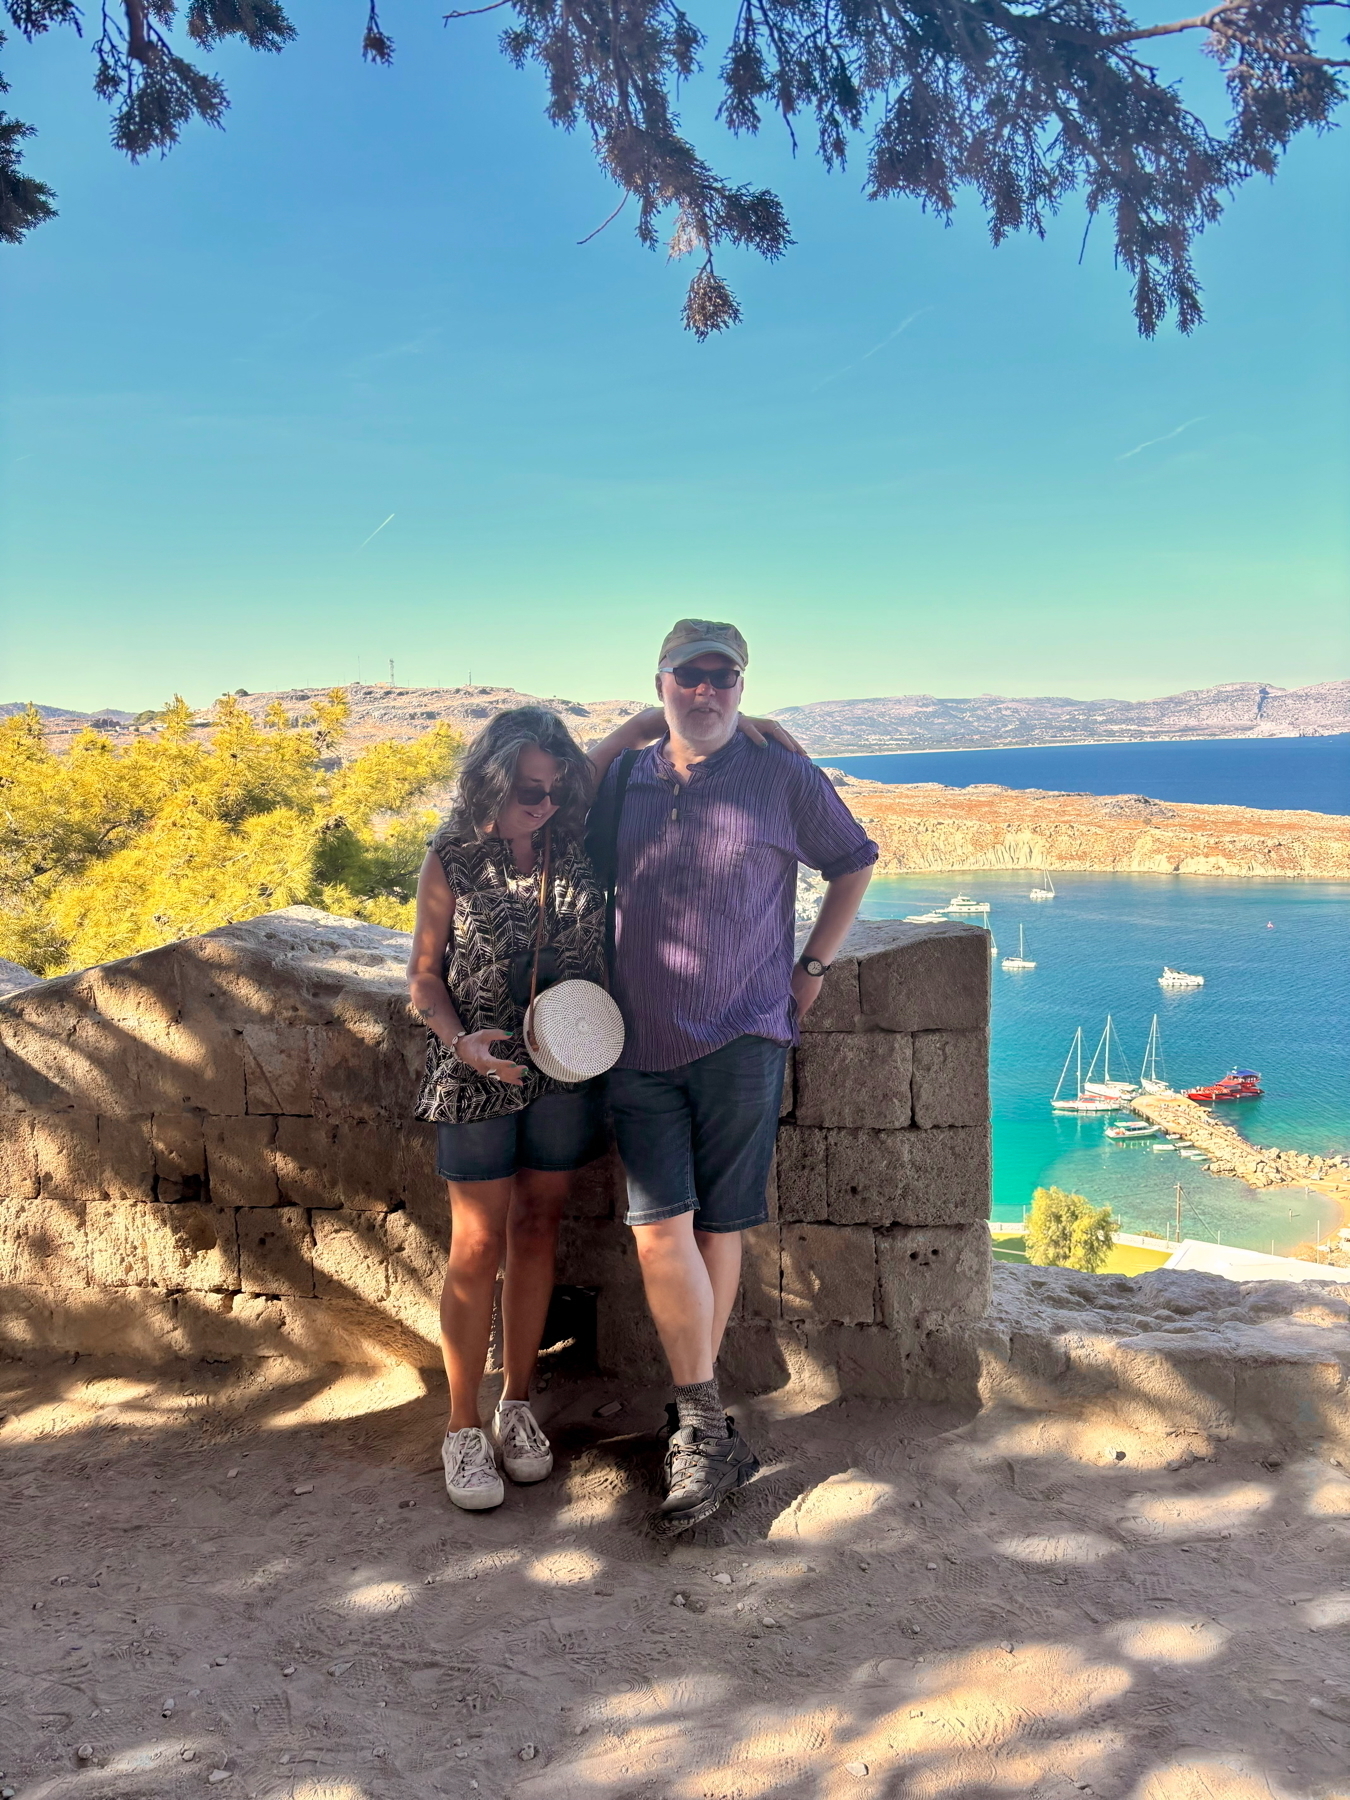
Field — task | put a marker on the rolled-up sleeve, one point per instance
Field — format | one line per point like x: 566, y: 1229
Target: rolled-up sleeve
x: 829, y: 838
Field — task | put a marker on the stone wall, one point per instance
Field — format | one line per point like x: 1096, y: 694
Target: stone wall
x: 205, y: 1150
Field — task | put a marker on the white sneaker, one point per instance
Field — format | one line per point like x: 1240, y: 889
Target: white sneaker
x: 526, y: 1455
x: 471, y: 1477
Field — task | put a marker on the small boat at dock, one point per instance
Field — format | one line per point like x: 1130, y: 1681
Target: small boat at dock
x: 1153, y: 1073
x: 1237, y: 1084
x: 1104, y: 1084
x: 1128, y: 1129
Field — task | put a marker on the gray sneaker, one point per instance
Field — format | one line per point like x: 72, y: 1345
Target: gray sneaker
x: 700, y: 1471
x: 471, y: 1477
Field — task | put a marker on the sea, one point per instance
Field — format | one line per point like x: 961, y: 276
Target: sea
x: 1276, y: 997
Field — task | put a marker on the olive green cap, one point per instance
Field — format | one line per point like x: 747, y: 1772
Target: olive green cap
x: 689, y: 638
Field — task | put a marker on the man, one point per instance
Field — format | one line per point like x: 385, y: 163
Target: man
x: 711, y: 830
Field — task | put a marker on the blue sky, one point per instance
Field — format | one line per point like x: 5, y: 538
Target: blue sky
x: 920, y: 465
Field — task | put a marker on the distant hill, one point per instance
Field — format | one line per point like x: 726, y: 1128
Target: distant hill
x: 829, y: 727
x: 992, y: 721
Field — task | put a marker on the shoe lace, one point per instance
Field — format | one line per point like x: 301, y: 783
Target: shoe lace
x: 474, y: 1463
x: 521, y: 1431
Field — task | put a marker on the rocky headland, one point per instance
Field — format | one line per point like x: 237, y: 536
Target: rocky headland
x: 926, y: 826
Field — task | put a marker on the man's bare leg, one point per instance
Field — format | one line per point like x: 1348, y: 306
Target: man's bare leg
x: 721, y: 1253
x: 681, y: 1296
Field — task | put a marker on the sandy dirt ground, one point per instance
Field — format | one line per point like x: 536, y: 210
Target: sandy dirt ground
x: 235, y: 1580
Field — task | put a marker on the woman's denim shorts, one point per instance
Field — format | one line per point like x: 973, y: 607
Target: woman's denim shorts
x: 554, y: 1133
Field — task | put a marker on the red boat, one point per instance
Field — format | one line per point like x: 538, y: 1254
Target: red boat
x: 1237, y: 1084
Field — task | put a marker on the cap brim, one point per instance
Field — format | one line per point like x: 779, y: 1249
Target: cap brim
x: 705, y: 647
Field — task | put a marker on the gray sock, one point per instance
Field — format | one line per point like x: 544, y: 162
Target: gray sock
x: 699, y: 1403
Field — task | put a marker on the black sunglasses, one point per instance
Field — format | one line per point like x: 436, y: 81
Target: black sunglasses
x: 688, y: 676
x: 534, y: 793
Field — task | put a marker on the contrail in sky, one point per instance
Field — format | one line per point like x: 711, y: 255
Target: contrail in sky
x: 378, y: 529
x: 904, y: 325
x: 1165, y: 438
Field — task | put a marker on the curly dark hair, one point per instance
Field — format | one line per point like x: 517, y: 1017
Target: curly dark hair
x: 488, y: 771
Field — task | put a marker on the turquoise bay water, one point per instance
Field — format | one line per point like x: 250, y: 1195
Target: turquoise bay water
x: 1274, y: 1000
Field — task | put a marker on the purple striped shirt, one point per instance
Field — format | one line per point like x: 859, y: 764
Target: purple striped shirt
x: 706, y: 898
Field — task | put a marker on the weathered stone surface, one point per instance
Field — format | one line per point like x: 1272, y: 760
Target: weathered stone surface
x: 350, y: 1256
x: 800, y: 1164
x: 13, y: 977
x: 416, y: 1183
x: 240, y: 1166
x: 829, y: 1272
x: 178, y: 1146
x: 937, y: 1271
x: 923, y: 977
x: 367, y: 1171
x: 126, y: 1160
x: 18, y: 1159
x: 43, y: 1243
x: 276, y: 1251
x: 65, y: 1145
x: 853, y: 1080
x: 837, y: 1006
x: 937, y: 1177
x: 180, y: 1246
x: 760, y: 1279
x: 306, y: 1159
x: 949, y: 1084
x: 277, y: 1055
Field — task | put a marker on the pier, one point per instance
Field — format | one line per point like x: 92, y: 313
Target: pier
x: 1230, y: 1153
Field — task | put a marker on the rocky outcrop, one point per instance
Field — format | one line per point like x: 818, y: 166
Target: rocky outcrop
x: 926, y: 826
x: 1230, y: 1153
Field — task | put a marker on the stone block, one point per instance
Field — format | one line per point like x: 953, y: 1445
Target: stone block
x: 837, y: 1006
x: 800, y: 1164
x: 306, y: 1159
x: 760, y: 1273
x: 277, y: 1055
x: 43, y: 1243
x: 950, y: 1080
x: 126, y: 1160
x: 183, y: 1245
x: 197, y: 1064
x: 240, y: 1161
x: 358, y: 1072
x: 18, y: 1159
x: 65, y: 1145
x: 276, y: 1250
x: 925, y: 977
x: 178, y: 1146
x: 417, y: 1185
x: 137, y: 1323
x: 351, y: 1257
x: 753, y: 1358
x: 366, y: 1168
x: 829, y: 1273
x: 937, y: 1177
x: 859, y: 1079
x: 933, y: 1271
x: 418, y: 1248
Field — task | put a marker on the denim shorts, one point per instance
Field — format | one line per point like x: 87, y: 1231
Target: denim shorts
x: 554, y: 1133
x: 699, y: 1137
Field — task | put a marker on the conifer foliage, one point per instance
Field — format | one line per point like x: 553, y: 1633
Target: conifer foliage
x: 1022, y: 101
x: 105, y: 851
x: 1068, y: 1232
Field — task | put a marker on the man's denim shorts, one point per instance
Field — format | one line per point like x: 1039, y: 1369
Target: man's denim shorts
x: 554, y: 1133
x: 699, y: 1138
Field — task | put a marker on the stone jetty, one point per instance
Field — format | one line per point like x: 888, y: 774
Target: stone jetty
x: 1230, y: 1153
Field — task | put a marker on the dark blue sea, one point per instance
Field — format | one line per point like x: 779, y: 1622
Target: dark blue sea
x: 1309, y: 774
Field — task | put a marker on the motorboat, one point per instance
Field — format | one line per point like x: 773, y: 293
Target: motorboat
x: 1178, y: 978
x: 962, y: 903
x: 928, y: 918
x: 1132, y: 1128
x: 1237, y: 1084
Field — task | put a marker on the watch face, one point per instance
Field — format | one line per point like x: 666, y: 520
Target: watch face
x: 813, y: 966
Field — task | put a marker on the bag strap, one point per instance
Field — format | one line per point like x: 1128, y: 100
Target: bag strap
x: 543, y: 912
x: 626, y: 762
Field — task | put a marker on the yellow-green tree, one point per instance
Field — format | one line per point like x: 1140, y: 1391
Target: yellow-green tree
x: 1068, y: 1231
x: 105, y: 851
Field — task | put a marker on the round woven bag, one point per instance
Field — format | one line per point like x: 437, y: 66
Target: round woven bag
x: 573, y: 1031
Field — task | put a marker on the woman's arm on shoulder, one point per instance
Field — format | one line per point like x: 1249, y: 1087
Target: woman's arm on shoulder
x: 432, y: 929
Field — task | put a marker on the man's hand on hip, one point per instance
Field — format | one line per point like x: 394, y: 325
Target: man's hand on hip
x: 805, y: 990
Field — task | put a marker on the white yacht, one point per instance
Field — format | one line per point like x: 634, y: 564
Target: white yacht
x: 962, y: 903
x: 1178, y: 978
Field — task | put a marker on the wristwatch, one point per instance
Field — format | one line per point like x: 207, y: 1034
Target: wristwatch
x: 812, y: 965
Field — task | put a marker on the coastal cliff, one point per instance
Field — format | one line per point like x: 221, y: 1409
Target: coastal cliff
x: 926, y: 826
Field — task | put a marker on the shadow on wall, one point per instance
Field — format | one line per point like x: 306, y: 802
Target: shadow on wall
x: 205, y: 1151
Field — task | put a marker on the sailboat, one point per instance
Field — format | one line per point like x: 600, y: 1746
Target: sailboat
x: 1046, y: 891
x: 1106, y: 1086
x: 1153, y: 1075
x: 1080, y: 1101
x: 1021, y: 960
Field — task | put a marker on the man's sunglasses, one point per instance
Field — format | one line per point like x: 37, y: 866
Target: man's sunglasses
x: 689, y: 676
x: 534, y: 793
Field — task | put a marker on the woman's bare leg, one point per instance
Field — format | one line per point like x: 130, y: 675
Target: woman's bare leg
x: 531, y: 1257
x: 478, y: 1215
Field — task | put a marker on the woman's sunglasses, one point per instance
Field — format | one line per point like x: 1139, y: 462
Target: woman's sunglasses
x: 534, y: 793
x: 688, y: 676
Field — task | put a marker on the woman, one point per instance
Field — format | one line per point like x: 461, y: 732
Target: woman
x: 508, y: 1137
